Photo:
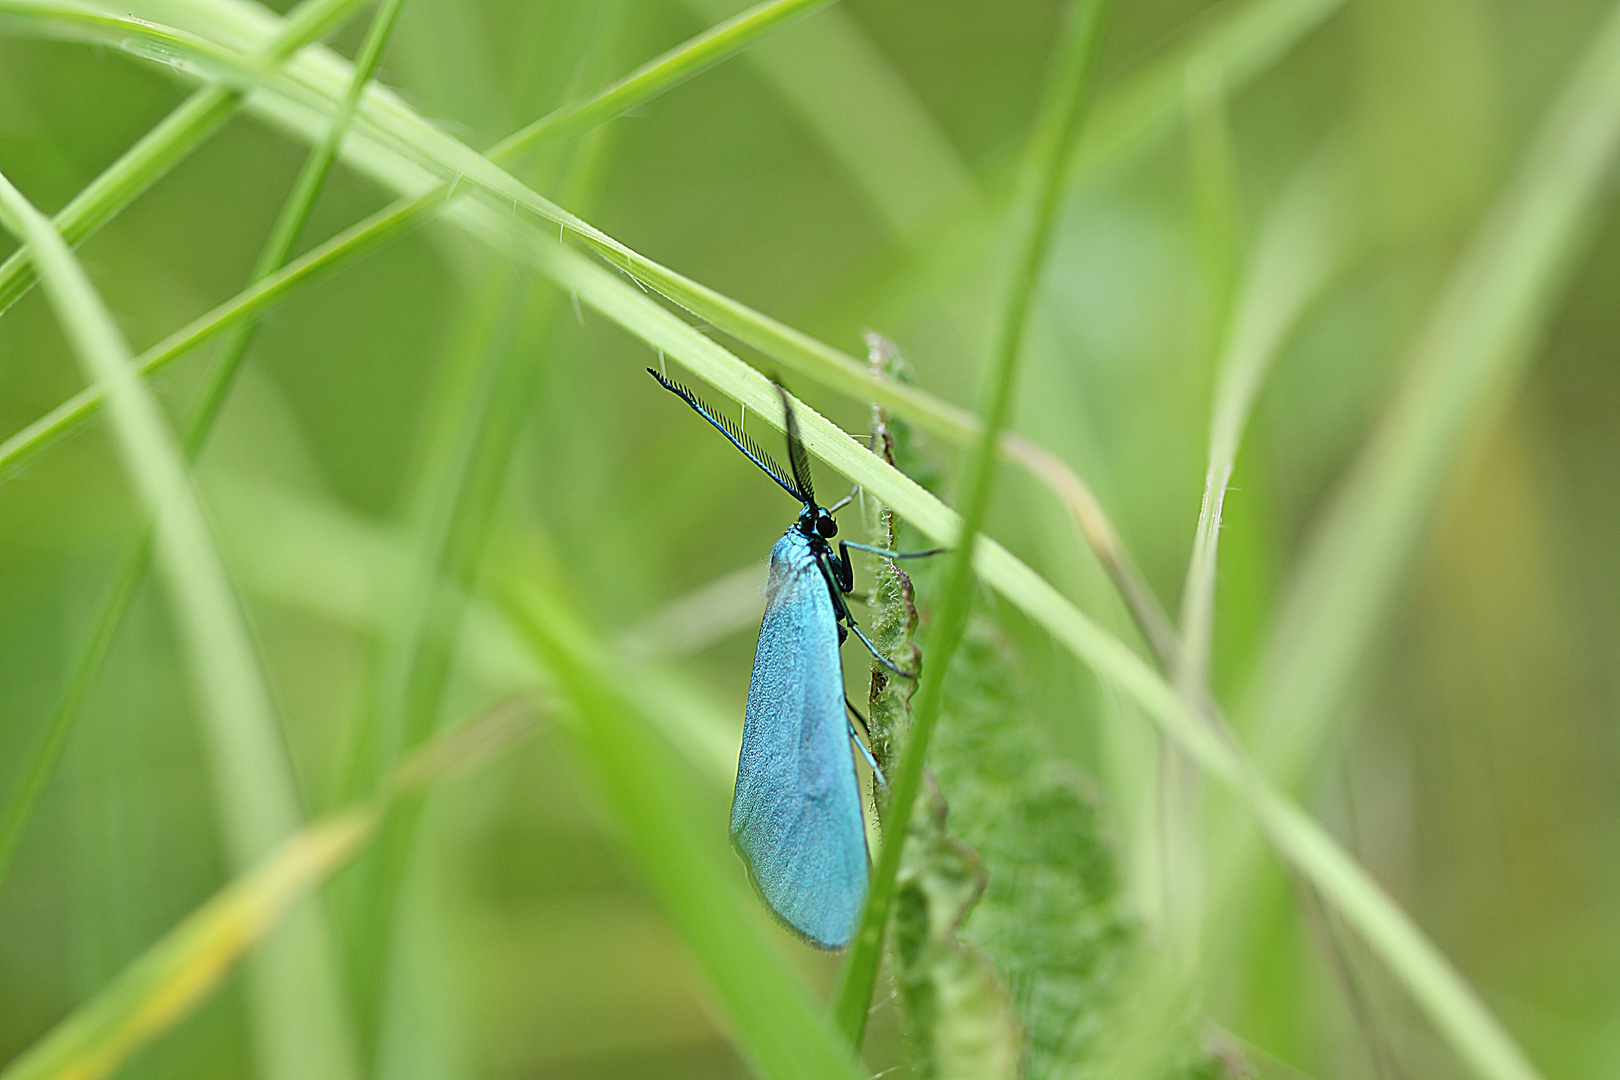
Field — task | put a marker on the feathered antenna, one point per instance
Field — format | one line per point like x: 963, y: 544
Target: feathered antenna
x: 798, y: 456
x: 738, y: 437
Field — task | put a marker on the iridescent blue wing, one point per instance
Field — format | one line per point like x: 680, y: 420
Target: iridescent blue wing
x: 796, y: 814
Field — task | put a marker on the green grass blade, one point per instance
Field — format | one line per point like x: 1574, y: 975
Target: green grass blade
x: 159, y: 149
x: 866, y: 116
x: 1239, y: 44
x: 675, y: 831
x: 132, y: 566
x: 299, y: 1010
x: 1299, y: 248
x: 186, y: 965
x: 1055, y: 131
x: 1479, y: 337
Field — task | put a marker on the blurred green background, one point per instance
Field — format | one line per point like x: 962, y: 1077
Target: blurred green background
x: 852, y: 172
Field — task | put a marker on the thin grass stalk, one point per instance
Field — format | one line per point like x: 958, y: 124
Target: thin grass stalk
x: 297, y: 1008
x: 133, y: 563
x: 1299, y: 248
x: 1055, y: 132
x: 461, y: 491
x: 160, y: 149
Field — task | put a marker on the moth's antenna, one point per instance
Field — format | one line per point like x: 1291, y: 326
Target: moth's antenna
x: 798, y: 457
x: 736, y: 435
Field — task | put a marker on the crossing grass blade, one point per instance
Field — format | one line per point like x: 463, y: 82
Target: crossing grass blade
x: 160, y: 148
x: 297, y: 1004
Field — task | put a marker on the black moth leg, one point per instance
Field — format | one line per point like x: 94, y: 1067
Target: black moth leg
x: 856, y: 713
x: 836, y: 572
x: 845, y: 501
x: 879, y: 657
x: 877, y: 773
x: 867, y: 754
x: 887, y: 554
x: 843, y: 569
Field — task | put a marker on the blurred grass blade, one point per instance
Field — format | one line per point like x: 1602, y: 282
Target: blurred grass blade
x: 1479, y: 337
x: 183, y: 968
x: 866, y: 116
x: 160, y: 148
x: 675, y: 831
x: 1240, y: 44
x: 132, y: 566
x: 172, y: 977
x: 299, y: 1016
x: 1299, y: 248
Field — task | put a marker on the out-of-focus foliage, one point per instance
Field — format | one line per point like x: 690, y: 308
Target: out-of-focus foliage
x: 437, y: 426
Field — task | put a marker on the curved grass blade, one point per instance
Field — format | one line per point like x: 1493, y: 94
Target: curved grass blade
x: 298, y: 1010
x: 1480, y: 335
x: 1298, y: 250
x: 159, y: 149
x: 132, y: 566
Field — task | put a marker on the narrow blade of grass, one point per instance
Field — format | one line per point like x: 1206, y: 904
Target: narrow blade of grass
x: 1479, y: 337
x: 159, y: 149
x: 132, y: 566
x: 297, y: 1005
x: 1055, y: 130
x: 1298, y: 250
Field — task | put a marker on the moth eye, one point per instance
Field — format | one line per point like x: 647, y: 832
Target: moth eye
x: 826, y: 526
